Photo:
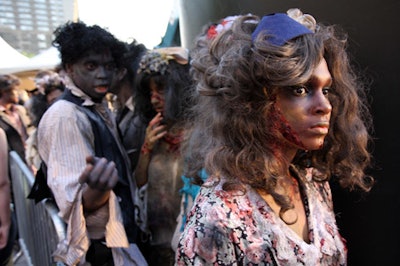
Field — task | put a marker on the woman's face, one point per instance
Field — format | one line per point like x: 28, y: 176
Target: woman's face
x: 306, y: 109
x: 157, y: 97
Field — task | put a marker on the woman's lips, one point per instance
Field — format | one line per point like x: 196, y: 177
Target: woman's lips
x: 320, y: 128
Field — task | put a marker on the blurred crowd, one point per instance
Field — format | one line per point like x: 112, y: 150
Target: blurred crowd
x: 149, y: 87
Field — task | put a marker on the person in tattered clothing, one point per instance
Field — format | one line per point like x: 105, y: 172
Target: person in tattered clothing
x: 88, y: 171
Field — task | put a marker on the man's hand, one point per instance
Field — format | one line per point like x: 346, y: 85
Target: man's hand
x: 101, y: 176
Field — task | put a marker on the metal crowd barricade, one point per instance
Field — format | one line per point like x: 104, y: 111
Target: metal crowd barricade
x: 39, y: 227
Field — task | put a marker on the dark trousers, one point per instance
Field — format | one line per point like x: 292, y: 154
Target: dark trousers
x: 99, y: 254
x: 159, y: 255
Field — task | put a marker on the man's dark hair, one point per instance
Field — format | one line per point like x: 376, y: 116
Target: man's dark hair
x: 7, y: 82
x: 132, y: 58
x: 75, y: 40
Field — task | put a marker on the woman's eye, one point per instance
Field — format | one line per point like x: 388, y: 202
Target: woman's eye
x: 326, y: 90
x: 300, y: 90
x: 156, y: 92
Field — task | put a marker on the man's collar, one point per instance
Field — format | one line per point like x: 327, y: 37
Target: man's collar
x: 129, y: 104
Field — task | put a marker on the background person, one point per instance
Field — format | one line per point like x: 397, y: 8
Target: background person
x: 163, y: 82
x: 131, y: 127
x: 53, y: 87
x: 13, y: 116
x: 8, y: 230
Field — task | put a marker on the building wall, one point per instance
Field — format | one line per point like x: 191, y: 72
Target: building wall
x: 28, y: 25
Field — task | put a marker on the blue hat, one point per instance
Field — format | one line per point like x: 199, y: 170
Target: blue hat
x: 280, y: 28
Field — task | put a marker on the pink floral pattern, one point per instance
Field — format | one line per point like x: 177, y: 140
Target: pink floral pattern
x: 233, y: 228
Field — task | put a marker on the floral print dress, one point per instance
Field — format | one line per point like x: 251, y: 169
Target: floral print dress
x: 236, y: 228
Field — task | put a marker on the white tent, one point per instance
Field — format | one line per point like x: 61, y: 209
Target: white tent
x: 49, y: 58
x: 45, y: 60
x: 9, y: 57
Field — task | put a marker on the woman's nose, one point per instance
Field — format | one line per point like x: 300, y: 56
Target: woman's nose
x: 155, y: 96
x: 321, y: 104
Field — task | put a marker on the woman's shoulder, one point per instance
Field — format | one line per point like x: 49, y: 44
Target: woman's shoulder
x: 214, y: 203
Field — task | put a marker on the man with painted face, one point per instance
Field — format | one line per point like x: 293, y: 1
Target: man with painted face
x: 88, y: 171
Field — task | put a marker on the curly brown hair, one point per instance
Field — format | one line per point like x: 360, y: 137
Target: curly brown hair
x: 231, y: 123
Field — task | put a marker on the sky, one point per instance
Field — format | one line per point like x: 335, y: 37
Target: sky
x: 143, y: 20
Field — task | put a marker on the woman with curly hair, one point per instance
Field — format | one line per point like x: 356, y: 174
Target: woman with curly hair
x: 278, y: 113
x: 162, y: 83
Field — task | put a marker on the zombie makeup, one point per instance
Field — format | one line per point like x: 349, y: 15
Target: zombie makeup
x: 280, y: 124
